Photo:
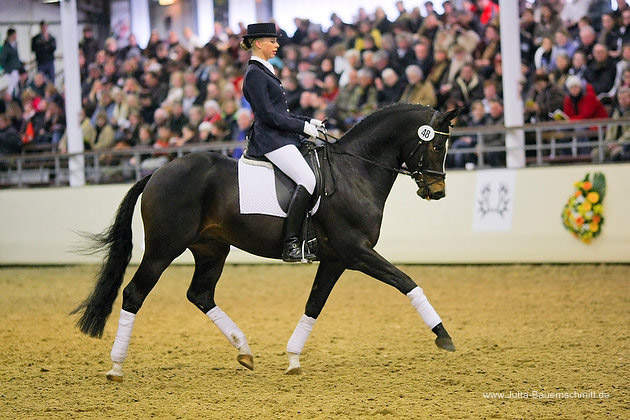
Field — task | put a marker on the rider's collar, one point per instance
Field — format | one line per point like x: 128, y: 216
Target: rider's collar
x: 265, y: 63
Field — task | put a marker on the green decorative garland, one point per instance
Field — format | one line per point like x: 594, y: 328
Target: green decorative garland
x: 583, y: 213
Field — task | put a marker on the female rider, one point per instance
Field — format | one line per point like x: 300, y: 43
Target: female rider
x: 276, y: 131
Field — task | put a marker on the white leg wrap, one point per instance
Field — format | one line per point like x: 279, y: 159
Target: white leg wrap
x: 300, y: 335
x: 424, y: 308
x: 228, y: 328
x: 123, y: 336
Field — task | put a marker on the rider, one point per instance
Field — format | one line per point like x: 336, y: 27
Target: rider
x: 276, y: 131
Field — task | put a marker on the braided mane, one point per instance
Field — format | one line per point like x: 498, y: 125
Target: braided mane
x: 384, y: 112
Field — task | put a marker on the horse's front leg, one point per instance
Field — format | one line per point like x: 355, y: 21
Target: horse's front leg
x: 327, y: 275
x: 373, y: 264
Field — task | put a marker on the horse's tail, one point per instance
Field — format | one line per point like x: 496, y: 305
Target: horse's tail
x: 115, y: 241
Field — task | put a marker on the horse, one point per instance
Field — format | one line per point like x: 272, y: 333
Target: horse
x: 193, y: 203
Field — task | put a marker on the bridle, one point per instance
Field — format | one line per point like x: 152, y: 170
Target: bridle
x: 418, y: 173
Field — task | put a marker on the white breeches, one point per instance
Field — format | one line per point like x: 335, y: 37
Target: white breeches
x: 290, y: 161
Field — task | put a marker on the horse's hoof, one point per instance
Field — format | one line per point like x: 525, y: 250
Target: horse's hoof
x: 246, y: 360
x: 113, y: 377
x: 445, y: 343
x: 294, y: 371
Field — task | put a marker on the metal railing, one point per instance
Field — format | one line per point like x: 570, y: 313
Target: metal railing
x: 548, y: 143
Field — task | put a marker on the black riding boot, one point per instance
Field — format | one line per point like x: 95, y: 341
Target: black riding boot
x: 292, y: 237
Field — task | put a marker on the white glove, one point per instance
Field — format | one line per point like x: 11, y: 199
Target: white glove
x: 310, y: 130
x: 317, y: 123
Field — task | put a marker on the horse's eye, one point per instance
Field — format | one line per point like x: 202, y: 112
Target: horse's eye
x: 437, y: 148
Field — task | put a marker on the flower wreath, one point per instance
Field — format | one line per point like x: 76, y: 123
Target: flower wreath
x: 583, y: 213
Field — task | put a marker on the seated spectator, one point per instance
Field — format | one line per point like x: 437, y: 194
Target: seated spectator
x: 243, y: 120
x: 418, y: 90
x: 609, y: 35
x: 189, y: 136
x: 548, y: 24
x: 542, y: 99
x: 616, y: 135
x: 38, y: 85
x: 478, y: 118
x: 105, y: 134
x: 10, y: 143
x: 88, y: 134
x: 362, y: 100
x: 495, y: 158
x: 545, y: 55
x: 601, y: 72
x: 563, y: 43
x: 330, y: 89
x: 581, y: 103
x: 561, y: 70
x: 177, y: 119
x: 390, y: 88
x: 467, y: 86
x: 578, y: 64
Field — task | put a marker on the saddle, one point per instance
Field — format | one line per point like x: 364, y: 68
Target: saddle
x: 318, y: 158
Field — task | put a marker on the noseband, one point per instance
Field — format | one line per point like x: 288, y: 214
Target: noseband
x: 420, y: 171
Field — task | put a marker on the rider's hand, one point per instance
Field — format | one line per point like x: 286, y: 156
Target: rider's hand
x: 310, y: 130
x: 316, y: 122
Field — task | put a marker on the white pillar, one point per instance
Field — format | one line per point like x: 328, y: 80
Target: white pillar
x: 140, y: 21
x: 512, y: 100
x: 72, y: 86
x: 205, y: 20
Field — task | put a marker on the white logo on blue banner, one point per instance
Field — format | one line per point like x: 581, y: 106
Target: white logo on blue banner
x: 494, y: 200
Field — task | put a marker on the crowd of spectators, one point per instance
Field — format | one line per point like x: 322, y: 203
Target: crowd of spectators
x: 575, y: 58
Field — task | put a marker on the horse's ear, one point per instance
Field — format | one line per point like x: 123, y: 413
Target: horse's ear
x: 450, y: 115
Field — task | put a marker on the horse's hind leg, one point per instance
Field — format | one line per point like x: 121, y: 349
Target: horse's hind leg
x: 327, y: 275
x: 209, y: 262
x: 134, y: 294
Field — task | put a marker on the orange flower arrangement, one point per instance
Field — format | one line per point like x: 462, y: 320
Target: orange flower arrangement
x: 583, y: 213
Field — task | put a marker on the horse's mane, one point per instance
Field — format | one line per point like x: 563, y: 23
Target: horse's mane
x: 384, y: 112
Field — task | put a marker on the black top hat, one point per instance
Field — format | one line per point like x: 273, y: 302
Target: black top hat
x: 260, y: 30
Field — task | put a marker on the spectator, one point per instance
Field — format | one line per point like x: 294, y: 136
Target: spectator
x: 545, y: 55
x: 578, y: 64
x: 418, y: 90
x: 495, y: 117
x: 624, y: 31
x: 548, y: 24
x: 244, y: 120
x: 617, y: 137
x: 88, y: 45
x: 478, y: 118
x: 10, y: 142
x: 188, y: 135
x: 362, y: 100
x: 588, y: 38
x: 542, y: 99
x: 609, y: 36
x: 561, y: 70
x: 38, y: 85
x: 467, y: 86
x: 10, y: 60
x: 484, y: 55
x: 389, y: 89
x: 131, y: 50
x: 424, y: 59
x: 581, y: 102
x: 44, y: 46
x: 105, y: 134
x: 564, y: 44
x: 601, y: 72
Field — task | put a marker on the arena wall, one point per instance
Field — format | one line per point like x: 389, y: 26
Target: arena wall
x: 39, y: 226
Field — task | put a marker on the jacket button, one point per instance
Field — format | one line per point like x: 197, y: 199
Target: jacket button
x: 288, y: 110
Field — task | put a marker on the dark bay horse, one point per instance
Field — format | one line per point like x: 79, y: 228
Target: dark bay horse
x: 193, y: 202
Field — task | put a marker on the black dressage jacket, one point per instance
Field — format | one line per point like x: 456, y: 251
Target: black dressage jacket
x: 274, y: 125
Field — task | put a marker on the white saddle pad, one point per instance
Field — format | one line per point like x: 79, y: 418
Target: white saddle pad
x: 257, y: 188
